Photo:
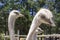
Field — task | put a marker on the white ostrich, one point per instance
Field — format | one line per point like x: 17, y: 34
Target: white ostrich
x: 11, y: 20
x: 42, y: 16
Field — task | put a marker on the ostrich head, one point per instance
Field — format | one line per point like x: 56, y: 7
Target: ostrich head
x: 16, y: 13
x: 46, y: 17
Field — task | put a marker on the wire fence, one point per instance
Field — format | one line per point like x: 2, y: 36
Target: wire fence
x: 39, y: 37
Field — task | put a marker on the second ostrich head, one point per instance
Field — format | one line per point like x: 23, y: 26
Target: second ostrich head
x: 46, y: 17
x: 16, y: 13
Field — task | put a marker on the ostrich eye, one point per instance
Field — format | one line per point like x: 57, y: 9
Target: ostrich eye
x: 16, y: 13
x: 43, y: 17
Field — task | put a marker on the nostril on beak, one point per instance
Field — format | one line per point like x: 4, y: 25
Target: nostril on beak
x: 50, y: 22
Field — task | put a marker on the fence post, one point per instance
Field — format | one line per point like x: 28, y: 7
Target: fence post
x: 18, y: 34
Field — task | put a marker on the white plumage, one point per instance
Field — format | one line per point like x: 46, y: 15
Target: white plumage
x: 42, y: 16
x: 13, y: 15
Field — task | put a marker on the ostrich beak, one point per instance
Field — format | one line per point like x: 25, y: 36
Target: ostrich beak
x: 21, y: 15
x: 52, y: 22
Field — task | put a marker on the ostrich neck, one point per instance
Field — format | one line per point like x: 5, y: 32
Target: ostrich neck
x: 35, y: 23
x: 11, y: 22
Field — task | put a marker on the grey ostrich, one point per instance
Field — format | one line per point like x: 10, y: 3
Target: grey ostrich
x: 43, y: 16
x: 14, y: 14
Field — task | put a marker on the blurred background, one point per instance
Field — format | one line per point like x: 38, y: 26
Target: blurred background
x: 29, y: 8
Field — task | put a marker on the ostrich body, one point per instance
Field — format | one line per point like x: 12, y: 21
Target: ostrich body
x: 14, y: 14
x: 43, y: 16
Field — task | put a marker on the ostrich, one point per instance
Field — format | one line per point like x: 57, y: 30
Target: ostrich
x: 38, y: 31
x: 43, y: 16
x: 14, y: 14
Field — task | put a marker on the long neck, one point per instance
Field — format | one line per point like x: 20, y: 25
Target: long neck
x: 11, y: 22
x: 33, y: 27
x: 35, y: 23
